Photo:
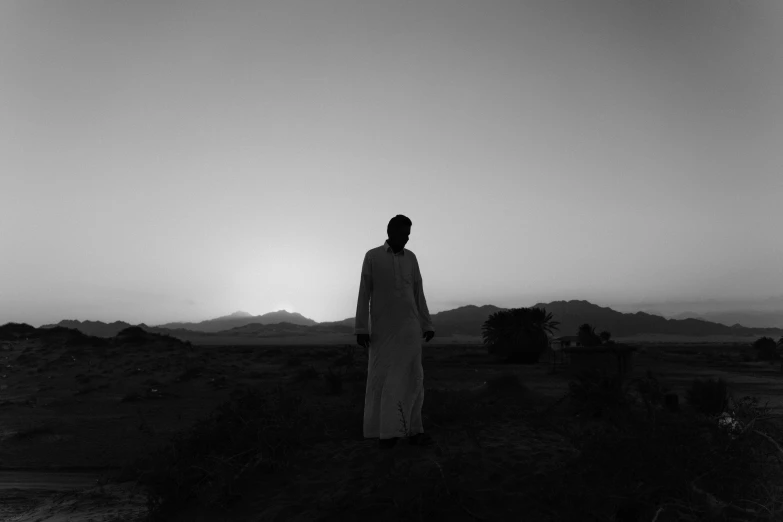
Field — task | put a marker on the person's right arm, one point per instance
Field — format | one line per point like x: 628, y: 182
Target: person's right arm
x: 361, y: 324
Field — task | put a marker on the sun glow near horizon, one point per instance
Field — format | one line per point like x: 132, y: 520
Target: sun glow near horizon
x: 542, y: 150
x: 286, y: 307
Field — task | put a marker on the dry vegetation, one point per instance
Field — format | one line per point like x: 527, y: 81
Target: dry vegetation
x: 285, y: 441
x: 615, y: 454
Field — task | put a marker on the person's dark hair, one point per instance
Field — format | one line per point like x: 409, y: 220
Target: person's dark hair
x: 398, y: 221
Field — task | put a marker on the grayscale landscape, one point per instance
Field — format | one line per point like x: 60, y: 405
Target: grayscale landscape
x: 223, y: 224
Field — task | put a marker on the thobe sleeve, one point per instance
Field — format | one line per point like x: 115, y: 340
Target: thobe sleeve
x: 421, y: 302
x: 362, y: 321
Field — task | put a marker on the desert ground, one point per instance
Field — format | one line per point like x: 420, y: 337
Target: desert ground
x: 74, y: 420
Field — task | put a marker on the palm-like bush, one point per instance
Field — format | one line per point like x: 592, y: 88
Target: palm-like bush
x: 518, y: 335
x: 766, y: 349
x: 605, y: 336
x: 587, y: 335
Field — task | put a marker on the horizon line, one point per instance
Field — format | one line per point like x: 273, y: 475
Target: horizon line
x: 161, y: 324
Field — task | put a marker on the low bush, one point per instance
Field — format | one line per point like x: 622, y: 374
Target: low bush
x: 766, y: 349
x: 599, y: 393
x: 651, y: 392
x: 709, y: 396
x: 683, y: 467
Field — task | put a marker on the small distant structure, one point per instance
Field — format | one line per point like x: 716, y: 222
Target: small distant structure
x: 557, y: 345
x: 565, y: 341
x: 613, y: 358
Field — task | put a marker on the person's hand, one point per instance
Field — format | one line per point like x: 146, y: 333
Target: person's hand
x: 429, y: 334
x: 363, y: 340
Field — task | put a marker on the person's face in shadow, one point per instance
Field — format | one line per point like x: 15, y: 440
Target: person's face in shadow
x: 398, y: 238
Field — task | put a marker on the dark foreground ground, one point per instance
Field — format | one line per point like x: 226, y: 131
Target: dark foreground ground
x: 71, y: 419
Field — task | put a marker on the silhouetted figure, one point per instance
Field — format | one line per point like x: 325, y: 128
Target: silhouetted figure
x: 391, y: 300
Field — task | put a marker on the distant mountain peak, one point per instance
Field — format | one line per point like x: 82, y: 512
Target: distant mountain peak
x: 240, y: 314
x: 286, y: 312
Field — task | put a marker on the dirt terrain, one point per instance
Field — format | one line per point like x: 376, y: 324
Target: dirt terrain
x: 71, y: 416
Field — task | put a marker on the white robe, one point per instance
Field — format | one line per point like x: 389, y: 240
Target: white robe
x: 392, y: 309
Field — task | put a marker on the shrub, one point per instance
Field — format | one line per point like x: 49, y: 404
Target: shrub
x: 766, y: 349
x: 651, y: 392
x: 746, y: 408
x: 599, y: 392
x: 588, y: 337
x: 709, y: 396
x: 681, y: 454
x: 518, y: 335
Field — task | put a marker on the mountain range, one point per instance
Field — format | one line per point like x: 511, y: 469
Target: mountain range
x: 750, y: 318
x: 465, y: 320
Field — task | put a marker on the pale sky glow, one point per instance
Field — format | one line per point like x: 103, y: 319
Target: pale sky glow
x: 165, y: 161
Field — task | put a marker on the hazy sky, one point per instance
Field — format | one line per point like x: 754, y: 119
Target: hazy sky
x: 183, y: 160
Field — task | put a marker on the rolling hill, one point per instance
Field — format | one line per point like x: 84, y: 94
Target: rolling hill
x: 465, y: 320
x: 749, y: 318
x: 238, y: 319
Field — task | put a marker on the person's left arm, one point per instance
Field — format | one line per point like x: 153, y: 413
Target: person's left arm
x: 421, y: 302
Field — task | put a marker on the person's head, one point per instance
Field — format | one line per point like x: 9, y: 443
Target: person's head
x: 398, y: 230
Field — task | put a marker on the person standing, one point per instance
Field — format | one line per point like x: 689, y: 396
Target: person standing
x: 391, y: 315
